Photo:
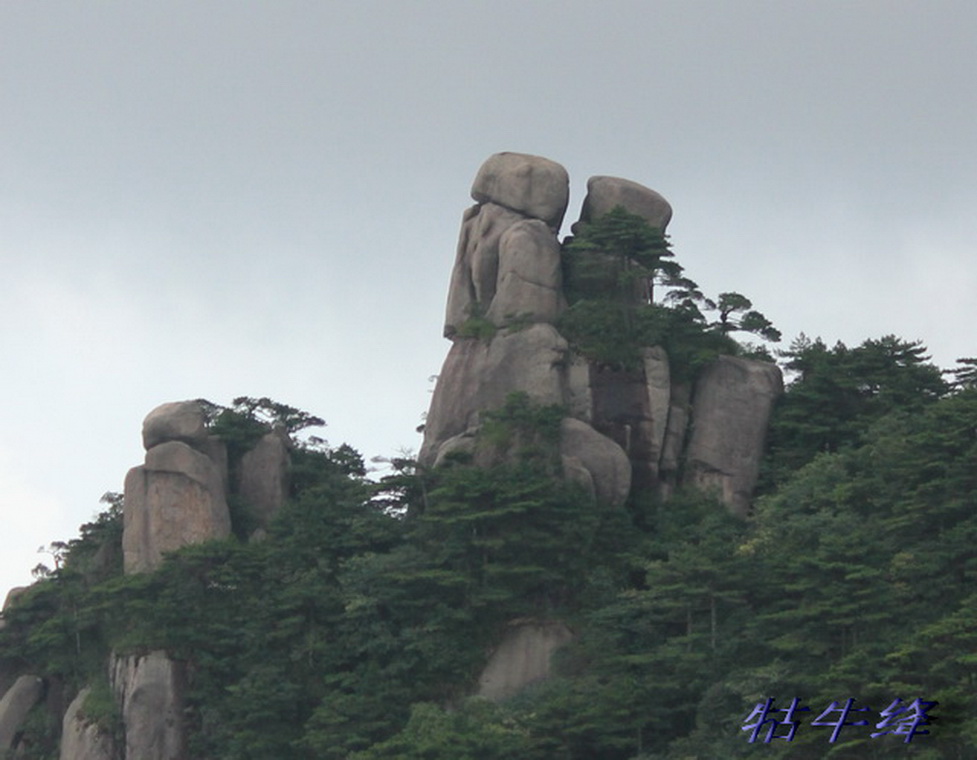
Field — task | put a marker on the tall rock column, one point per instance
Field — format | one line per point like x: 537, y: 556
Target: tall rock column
x: 731, y: 409
x: 505, y: 296
x: 177, y: 497
x: 150, y: 692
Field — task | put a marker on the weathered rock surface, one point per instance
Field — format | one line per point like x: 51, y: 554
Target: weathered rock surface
x: 478, y: 375
x: 531, y: 185
x: 174, y: 421
x: 26, y: 692
x: 658, y: 383
x: 530, y: 280
x: 263, y: 477
x: 474, y: 278
x: 150, y: 690
x: 675, y: 434
x: 508, y: 273
x: 731, y: 409
x: 522, y: 657
x: 607, y: 466
x: 82, y: 740
x: 175, y: 499
x: 604, y: 193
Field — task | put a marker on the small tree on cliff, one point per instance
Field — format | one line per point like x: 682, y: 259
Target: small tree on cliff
x: 641, y: 252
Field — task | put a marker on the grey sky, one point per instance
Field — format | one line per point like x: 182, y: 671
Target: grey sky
x: 241, y: 198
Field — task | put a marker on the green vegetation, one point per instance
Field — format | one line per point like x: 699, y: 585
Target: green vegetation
x: 357, y: 628
x: 611, y: 269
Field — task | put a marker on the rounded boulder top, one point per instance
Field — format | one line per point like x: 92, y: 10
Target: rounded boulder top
x: 175, y: 421
x: 606, y: 193
x: 531, y: 185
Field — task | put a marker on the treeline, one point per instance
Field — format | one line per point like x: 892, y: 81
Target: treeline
x: 357, y: 627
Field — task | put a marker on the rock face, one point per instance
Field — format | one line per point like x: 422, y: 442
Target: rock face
x: 150, y: 691
x: 731, y: 408
x: 26, y: 692
x: 604, y: 193
x: 81, y: 740
x: 532, y: 185
x: 176, y: 498
x: 263, y: 477
x: 522, y: 658
x: 504, y: 304
x: 508, y: 244
x: 607, y: 468
x: 176, y: 421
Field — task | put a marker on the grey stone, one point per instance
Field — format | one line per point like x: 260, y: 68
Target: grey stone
x: 474, y: 279
x: 730, y: 412
x: 263, y: 477
x: 531, y: 185
x: 658, y: 382
x: 479, y: 375
x: 675, y: 434
x: 605, y: 461
x: 530, y: 280
x: 81, y: 739
x: 150, y: 690
x: 26, y: 692
x: 176, y: 499
x: 604, y: 193
x: 465, y: 443
x: 579, y: 395
x: 522, y: 657
x: 175, y: 421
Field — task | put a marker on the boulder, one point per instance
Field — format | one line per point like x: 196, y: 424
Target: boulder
x: 263, y: 476
x: 531, y: 185
x: 530, y: 279
x: 82, y: 740
x: 150, y: 691
x: 175, y: 421
x: 730, y: 411
x: 604, y: 193
x: 522, y: 657
x: 26, y: 692
x: 479, y: 374
x: 607, y: 465
x: 175, y: 499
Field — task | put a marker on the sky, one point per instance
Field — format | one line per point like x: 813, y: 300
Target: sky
x: 211, y: 200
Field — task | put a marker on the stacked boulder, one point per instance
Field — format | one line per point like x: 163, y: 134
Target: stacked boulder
x: 508, y: 276
x: 626, y: 428
x: 178, y: 496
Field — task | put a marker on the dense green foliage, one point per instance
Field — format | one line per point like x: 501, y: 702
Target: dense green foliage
x: 611, y: 268
x: 359, y: 625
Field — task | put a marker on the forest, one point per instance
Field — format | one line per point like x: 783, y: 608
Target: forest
x: 355, y: 630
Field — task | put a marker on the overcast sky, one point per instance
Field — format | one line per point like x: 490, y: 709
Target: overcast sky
x: 239, y: 198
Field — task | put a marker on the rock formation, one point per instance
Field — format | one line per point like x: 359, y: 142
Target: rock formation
x: 263, y: 476
x: 150, y: 691
x: 26, y: 692
x: 627, y: 428
x: 732, y: 402
x: 81, y: 739
x: 647, y: 427
x: 522, y: 657
x: 178, y: 496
